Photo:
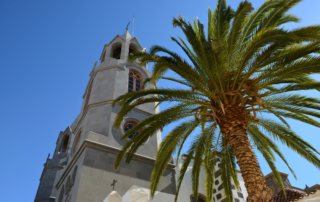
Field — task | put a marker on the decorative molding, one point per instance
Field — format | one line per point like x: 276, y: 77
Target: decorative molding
x: 102, y: 147
x: 88, y: 85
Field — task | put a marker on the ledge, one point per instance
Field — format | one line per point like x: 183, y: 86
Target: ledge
x: 102, y: 147
x: 42, y: 199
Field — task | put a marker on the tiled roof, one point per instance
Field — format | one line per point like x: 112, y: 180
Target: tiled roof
x: 292, y: 195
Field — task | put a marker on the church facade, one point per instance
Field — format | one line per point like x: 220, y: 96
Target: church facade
x: 82, y: 166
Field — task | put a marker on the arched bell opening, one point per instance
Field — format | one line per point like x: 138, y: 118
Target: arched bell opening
x: 116, y: 51
x: 64, y: 144
x: 132, y: 49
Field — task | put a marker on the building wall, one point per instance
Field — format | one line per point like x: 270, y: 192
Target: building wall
x: 53, y: 169
x: 273, y: 184
x: 218, y: 193
x: 100, y: 141
x: 76, y: 162
x: 96, y: 172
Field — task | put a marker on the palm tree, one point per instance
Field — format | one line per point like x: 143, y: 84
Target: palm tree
x: 243, y: 79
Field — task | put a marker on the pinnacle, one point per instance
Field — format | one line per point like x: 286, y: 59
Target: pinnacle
x: 126, y: 35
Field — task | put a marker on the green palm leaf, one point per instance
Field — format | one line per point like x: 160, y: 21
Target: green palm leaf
x: 244, y: 69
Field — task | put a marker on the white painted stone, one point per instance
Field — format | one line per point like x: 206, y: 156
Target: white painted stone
x: 315, y: 197
x: 135, y: 194
x: 113, y: 197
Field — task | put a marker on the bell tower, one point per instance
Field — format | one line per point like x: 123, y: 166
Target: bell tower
x: 113, y: 77
x: 93, y: 142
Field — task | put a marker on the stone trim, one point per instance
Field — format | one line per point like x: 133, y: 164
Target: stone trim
x: 102, y: 147
x: 88, y: 85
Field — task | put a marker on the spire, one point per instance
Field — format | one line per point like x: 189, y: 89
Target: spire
x: 126, y: 35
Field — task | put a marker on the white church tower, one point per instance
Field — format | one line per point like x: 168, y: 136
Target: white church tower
x: 82, y: 167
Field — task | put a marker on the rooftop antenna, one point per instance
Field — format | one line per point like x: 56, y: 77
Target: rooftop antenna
x: 133, y: 25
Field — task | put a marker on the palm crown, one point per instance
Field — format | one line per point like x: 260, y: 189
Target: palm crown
x: 243, y: 67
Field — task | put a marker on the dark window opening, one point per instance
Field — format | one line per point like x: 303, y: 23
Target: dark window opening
x: 65, y: 144
x: 117, y: 53
x: 199, y: 200
x: 131, y: 50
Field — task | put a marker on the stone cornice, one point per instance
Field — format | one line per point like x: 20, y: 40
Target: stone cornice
x: 102, y: 147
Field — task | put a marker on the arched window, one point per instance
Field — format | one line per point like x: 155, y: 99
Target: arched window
x: 129, y: 125
x: 116, y: 53
x: 61, y: 194
x: 88, y: 97
x: 65, y: 143
x: 77, y: 142
x: 135, y: 81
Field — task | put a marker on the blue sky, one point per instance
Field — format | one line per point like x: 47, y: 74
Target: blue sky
x: 47, y: 50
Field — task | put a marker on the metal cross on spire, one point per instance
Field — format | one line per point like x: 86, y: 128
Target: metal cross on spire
x: 113, y: 184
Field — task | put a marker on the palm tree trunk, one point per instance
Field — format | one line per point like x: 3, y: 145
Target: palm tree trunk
x: 233, y: 126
